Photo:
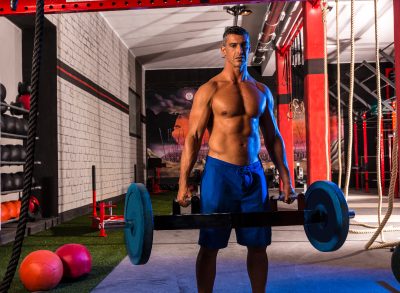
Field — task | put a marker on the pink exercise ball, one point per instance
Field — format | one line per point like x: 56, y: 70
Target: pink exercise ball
x: 76, y: 260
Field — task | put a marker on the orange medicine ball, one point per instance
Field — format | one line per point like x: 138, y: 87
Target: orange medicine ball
x: 17, y: 203
x: 5, y: 214
x: 41, y: 270
x: 12, y: 209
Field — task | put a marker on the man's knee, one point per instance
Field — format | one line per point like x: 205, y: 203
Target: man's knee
x: 257, y: 250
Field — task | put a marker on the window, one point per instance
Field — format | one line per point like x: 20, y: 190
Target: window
x: 135, y: 111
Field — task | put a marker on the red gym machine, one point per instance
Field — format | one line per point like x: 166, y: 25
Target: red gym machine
x: 100, y: 221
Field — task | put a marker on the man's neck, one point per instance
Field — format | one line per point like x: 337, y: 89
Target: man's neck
x: 236, y: 74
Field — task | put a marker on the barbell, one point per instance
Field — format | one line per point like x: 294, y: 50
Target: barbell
x: 325, y: 219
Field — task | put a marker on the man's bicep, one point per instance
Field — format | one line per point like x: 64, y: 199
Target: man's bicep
x: 267, y: 121
x: 200, y: 112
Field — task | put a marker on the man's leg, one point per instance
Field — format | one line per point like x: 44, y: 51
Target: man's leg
x: 257, y: 268
x: 205, y: 269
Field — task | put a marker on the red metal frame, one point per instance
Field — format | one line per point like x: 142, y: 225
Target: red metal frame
x: 396, y: 24
x: 68, y: 6
x: 283, y: 80
x: 365, y: 143
x: 98, y: 221
x: 382, y: 158
x: 355, y: 145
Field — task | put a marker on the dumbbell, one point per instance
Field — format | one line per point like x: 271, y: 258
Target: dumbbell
x: 194, y: 205
x: 3, y: 92
x: 25, y: 101
x: 3, y: 123
x: 18, y: 180
x: 17, y: 110
x: 5, y: 153
x: 3, y: 108
x: 7, y: 182
x: 9, y: 123
x: 20, y: 126
x: 14, y: 153
x: 23, y: 126
x: 24, y: 88
x: 21, y: 153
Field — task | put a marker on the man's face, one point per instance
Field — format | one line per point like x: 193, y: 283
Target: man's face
x: 236, y: 50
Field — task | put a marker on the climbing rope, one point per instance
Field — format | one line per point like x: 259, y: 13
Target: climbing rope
x: 377, y: 230
x: 350, y: 113
x: 393, y: 176
x: 324, y: 6
x: 339, y: 112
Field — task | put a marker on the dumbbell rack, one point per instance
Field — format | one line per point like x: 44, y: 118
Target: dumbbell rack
x: 14, y: 163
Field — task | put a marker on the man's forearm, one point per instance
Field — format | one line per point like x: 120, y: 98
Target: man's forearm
x: 278, y: 155
x: 188, y: 159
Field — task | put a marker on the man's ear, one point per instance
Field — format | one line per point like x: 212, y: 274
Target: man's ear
x: 223, y: 51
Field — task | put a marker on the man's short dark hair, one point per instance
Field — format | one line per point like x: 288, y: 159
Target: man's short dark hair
x: 234, y: 30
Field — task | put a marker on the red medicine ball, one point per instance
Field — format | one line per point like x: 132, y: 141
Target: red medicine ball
x: 76, y: 260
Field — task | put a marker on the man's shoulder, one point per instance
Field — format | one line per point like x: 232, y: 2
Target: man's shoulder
x: 206, y: 91
x: 262, y: 87
x: 209, y: 86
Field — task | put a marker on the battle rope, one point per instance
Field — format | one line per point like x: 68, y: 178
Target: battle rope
x: 393, y: 176
x: 339, y: 112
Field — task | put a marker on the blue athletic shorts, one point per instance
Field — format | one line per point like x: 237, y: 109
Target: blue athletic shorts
x: 226, y: 188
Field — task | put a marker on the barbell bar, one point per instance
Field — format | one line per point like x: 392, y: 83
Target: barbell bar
x: 230, y: 220
x: 325, y: 219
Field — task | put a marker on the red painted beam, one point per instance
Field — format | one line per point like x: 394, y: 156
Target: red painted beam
x: 284, y: 90
x: 396, y: 21
x: 316, y: 102
x: 68, y: 6
x: 382, y: 158
x: 365, y: 143
x: 355, y: 145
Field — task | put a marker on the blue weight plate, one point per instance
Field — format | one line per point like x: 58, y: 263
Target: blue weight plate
x: 396, y: 263
x: 327, y: 198
x: 139, y: 224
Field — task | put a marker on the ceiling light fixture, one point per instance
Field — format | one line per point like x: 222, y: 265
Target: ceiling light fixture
x: 236, y: 11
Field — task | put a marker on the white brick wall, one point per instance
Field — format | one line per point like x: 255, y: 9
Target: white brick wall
x: 90, y: 131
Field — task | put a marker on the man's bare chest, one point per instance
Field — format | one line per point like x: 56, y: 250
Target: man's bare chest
x: 233, y: 101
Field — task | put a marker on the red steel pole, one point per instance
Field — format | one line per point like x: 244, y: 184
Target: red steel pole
x: 316, y: 101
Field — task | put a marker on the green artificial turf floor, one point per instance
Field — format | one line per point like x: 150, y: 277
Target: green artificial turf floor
x: 106, y: 252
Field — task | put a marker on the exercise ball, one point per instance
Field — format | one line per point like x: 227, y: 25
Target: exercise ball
x: 5, y: 214
x: 41, y: 270
x: 12, y: 209
x: 76, y: 260
x: 17, y: 204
